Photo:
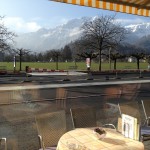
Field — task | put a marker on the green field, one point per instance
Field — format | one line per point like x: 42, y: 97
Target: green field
x: 66, y: 66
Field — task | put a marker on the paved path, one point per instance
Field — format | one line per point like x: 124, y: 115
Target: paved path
x: 56, y: 73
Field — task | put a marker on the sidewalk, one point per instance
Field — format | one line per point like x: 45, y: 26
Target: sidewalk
x: 56, y: 73
x: 12, y: 73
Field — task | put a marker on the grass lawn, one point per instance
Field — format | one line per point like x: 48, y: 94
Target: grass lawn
x: 65, y: 66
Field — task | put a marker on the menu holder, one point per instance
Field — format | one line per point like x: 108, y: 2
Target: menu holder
x: 130, y: 127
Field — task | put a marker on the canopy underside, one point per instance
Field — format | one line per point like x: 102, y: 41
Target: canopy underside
x: 136, y: 7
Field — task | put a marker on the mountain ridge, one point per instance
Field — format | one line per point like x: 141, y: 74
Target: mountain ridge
x: 56, y: 38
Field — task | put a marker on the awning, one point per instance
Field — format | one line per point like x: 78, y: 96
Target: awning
x: 136, y: 7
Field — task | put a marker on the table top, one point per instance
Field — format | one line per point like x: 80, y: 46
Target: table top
x: 85, y: 139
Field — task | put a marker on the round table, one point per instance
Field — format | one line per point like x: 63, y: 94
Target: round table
x: 85, y: 139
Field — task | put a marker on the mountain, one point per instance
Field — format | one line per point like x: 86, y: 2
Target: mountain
x: 144, y: 42
x: 58, y: 37
x: 137, y: 31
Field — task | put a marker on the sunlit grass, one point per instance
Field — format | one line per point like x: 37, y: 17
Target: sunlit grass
x: 66, y: 65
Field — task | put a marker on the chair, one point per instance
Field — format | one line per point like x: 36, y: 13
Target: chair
x: 107, y: 115
x: 144, y: 132
x: 145, y: 128
x: 51, y: 126
x: 1, y: 143
x: 146, y: 109
x: 85, y: 117
x: 21, y: 134
x: 131, y: 109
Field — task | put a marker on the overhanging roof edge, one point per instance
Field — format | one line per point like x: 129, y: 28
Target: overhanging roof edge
x: 112, y: 6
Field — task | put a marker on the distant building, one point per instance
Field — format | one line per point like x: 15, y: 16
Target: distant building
x: 130, y: 59
x: 143, y: 60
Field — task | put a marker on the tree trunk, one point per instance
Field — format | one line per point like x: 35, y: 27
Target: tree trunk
x: 138, y: 63
x: 99, y: 60
x: 57, y: 64
x: 90, y: 62
x: 75, y: 62
x: 115, y: 61
x: 20, y: 62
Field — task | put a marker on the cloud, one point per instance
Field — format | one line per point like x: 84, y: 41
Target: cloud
x: 17, y: 24
x: 75, y: 31
x: 130, y: 21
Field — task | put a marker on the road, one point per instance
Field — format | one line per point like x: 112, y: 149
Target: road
x: 62, y: 77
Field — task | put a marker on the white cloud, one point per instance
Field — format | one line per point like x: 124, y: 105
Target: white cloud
x: 17, y: 24
x: 32, y: 26
x: 75, y: 31
x: 130, y: 21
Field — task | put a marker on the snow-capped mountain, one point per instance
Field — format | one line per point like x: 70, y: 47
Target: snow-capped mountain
x: 46, y: 39
x: 58, y: 37
x: 139, y: 30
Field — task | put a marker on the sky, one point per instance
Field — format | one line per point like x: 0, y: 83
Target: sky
x: 22, y: 16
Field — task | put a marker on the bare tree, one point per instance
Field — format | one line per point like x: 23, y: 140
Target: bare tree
x: 77, y: 47
x: 102, y: 33
x: 118, y: 52
x: 148, y: 58
x: 88, y: 54
x: 83, y: 50
x: 56, y: 54
x: 66, y: 53
x: 21, y: 52
x: 114, y: 57
x: 138, y: 53
x: 5, y: 36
